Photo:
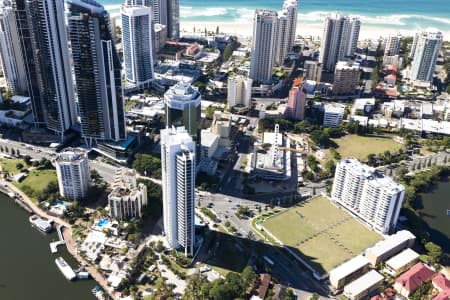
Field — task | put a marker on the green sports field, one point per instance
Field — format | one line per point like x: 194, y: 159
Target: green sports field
x: 323, y: 234
x: 361, y: 146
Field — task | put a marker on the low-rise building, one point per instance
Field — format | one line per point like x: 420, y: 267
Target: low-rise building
x: 271, y: 161
x: 363, y: 286
x: 389, y: 247
x: 363, y: 105
x: 442, y: 286
x: 401, y: 262
x: 208, y: 147
x: 334, y: 113
x: 348, y: 271
x: 221, y: 125
x: 126, y: 202
x: 127, y: 199
x: 409, y: 281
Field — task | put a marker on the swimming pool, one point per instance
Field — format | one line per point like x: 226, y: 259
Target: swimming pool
x: 102, y: 223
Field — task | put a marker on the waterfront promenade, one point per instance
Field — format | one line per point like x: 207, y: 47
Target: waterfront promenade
x: 70, y: 244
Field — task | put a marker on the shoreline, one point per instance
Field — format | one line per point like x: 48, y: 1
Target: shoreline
x: 67, y: 234
x: 245, y: 29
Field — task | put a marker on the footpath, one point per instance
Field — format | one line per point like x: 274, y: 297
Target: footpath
x: 67, y: 233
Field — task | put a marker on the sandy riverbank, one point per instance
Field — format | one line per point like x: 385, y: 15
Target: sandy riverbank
x: 246, y: 29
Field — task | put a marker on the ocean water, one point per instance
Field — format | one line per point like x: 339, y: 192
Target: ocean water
x: 392, y: 14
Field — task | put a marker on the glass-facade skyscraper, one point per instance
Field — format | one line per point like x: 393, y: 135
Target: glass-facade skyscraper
x: 97, y: 72
x: 45, y: 51
x: 137, y: 44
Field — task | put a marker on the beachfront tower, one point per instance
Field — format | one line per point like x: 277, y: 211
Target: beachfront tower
x: 340, y: 38
x: 72, y: 169
x: 178, y: 186
x: 137, y: 44
x: 426, y: 52
x: 265, y: 32
x: 97, y: 70
x: 287, y: 25
x: 11, y: 58
x: 46, y: 56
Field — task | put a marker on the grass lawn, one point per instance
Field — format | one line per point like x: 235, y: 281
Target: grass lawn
x: 37, y: 180
x: 316, y: 228
x: 361, y: 146
x: 228, y: 255
x: 9, y: 165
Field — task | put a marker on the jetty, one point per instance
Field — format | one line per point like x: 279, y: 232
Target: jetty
x: 54, y: 245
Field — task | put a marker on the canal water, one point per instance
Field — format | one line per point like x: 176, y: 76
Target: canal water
x: 27, y: 267
x: 434, y: 213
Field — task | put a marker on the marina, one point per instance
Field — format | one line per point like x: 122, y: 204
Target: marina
x: 31, y: 262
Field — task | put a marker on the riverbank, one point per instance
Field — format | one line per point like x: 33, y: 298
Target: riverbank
x: 67, y: 233
x: 425, y: 202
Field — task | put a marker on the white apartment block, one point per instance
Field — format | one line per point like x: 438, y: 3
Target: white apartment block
x: 178, y: 185
x: 340, y: 38
x: 333, y: 115
x: 127, y: 202
x: 287, y: 25
x: 239, y: 91
x: 372, y: 197
x: 426, y: 46
x: 72, y: 169
x: 265, y: 30
x: 127, y: 199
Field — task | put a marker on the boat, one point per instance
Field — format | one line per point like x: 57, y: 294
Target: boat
x: 65, y: 268
x: 42, y: 224
x: 98, y: 293
x: 83, y: 275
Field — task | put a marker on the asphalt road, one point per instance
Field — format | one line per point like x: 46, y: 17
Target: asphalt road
x: 290, y: 274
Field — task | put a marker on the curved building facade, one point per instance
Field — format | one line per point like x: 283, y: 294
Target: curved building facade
x: 183, y: 108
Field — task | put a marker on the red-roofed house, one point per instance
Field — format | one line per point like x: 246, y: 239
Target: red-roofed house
x: 442, y: 285
x: 409, y: 281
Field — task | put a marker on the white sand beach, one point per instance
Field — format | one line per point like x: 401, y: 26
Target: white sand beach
x: 245, y: 29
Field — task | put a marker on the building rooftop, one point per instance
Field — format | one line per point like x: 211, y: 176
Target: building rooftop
x: 174, y: 135
x: 335, y: 108
x: 349, y: 267
x: 441, y: 282
x: 390, y: 242
x: 208, y: 138
x: 411, y: 279
x: 402, y: 259
x: 72, y: 155
x: 363, y: 283
x: 345, y: 65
